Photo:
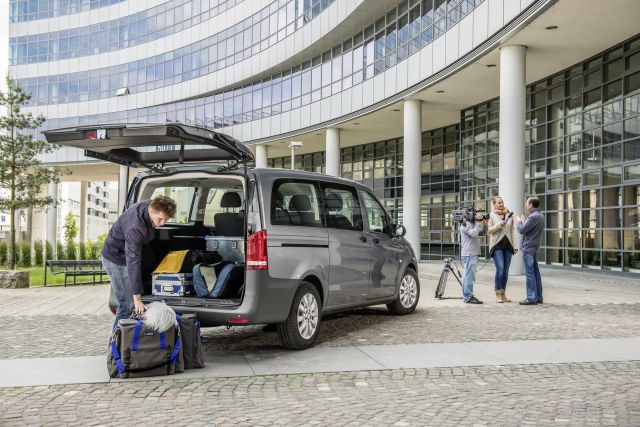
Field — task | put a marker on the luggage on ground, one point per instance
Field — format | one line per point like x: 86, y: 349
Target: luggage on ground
x: 191, y: 341
x: 138, y: 351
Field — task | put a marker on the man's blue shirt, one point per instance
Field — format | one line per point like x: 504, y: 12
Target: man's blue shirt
x: 531, y: 231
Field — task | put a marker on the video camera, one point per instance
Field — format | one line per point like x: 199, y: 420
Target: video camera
x: 468, y: 214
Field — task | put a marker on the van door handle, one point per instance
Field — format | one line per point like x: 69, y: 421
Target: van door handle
x: 363, y: 238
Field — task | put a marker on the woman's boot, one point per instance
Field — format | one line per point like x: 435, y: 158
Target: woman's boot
x: 499, y: 295
x: 504, y: 296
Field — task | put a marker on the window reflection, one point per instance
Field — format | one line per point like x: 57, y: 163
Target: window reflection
x: 356, y: 59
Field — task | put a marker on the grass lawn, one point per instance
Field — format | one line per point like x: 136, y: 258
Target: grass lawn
x: 36, y: 278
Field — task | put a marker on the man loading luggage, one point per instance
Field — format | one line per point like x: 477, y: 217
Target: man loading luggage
x: 122, y: 251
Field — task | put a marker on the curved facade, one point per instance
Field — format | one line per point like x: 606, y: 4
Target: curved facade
x: 404, y: 78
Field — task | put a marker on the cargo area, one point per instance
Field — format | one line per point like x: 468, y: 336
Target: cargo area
x: 210, y: 223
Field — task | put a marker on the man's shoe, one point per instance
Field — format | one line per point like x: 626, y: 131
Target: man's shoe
x: 474, y: 300
x: 528, y: 302
x: 540, y: 301
x: 499, y: 295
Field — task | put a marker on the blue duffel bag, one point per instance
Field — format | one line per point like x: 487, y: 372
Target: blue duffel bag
x: 136, y: 350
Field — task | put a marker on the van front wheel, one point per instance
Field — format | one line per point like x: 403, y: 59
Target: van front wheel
x: 301, y: 328
x: 408, y: 294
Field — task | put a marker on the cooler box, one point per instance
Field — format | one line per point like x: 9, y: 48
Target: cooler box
x: 229, y: 248
x: 173, y: 284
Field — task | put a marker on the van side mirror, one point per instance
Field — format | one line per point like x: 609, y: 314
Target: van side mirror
x: 400, y: 231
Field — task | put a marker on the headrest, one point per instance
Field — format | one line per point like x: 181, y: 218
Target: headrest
x: 230, y: 200
x: 279, y: 200
x: 299, y: 202
x: 332, y: 201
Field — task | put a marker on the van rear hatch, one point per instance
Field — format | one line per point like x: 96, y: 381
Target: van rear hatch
x: 149, y: 145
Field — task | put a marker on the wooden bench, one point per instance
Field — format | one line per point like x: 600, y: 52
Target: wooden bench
x: 75, y: 269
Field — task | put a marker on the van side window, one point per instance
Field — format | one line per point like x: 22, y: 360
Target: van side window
x: 341, y: 207
x: 183, y: 196
x: 295, y: 202
x: 376, y: 216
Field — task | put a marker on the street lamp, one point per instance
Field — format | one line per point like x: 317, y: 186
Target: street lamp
x: 293, y: 145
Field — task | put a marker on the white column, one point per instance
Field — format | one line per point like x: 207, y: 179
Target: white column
x: 332, y: 152
x: 123, y: 187
x: 412, y: 172
x: 52, y: 215
x: 82, y: 233
x: 512, y: 117
x: 261, y: 156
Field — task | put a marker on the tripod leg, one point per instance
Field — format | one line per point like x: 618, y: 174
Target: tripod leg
x: 442, y: 283
x: 456, y: 276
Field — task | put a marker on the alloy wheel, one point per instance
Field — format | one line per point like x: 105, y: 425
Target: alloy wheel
x: 307, y: 318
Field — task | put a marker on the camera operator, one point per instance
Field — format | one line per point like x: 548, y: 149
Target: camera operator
x: 470, y: 252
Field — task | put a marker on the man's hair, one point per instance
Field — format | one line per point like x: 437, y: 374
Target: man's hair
x: 163, y: 204
x: 535, y: 202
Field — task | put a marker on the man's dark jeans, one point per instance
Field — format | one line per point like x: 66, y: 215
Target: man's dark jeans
x: 532, y: 274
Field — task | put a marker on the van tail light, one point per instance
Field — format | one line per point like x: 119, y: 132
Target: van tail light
x: 257, y: 251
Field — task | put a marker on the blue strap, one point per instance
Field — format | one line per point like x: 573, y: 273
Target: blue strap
x: 116, y: 357
x: 163, y: 345
x: 136, y: 336
x: 176, y: 351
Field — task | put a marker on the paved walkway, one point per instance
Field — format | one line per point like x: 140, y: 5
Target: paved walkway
x: 572, y: 361
x: 561, y: 286
x: 77, y: 370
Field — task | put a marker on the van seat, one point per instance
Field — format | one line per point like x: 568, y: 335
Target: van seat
x: 229, y: 223
x: 300, y: 211
x: 333, y: 206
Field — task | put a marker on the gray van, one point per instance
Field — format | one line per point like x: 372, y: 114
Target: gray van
x: 308, y: 244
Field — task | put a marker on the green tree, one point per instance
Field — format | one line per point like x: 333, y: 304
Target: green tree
x: 21, y: 173
x: 70, y: 233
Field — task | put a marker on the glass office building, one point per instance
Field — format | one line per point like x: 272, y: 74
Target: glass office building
x: 404, y: 96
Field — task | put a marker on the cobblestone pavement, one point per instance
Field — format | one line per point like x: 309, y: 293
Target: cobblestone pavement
x: 553, y: 394
x: 87, y: 335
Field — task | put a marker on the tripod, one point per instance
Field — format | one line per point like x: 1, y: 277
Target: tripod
x: 442, y: 283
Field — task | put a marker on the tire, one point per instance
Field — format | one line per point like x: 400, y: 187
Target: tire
x: 408, y: 294
x: 300, y: 334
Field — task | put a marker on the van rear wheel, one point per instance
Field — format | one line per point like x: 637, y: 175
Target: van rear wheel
x: 302, y: 327
x: 408, y: 294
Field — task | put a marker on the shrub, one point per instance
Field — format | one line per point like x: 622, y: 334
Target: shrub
x: 39, y: 255
x: 23, y: 251
x: 60, y: 252
x: 48, y: 251
x: 82, y: 250
x: 72, y: 250
x: 4, y: 253
x: 93, y: 250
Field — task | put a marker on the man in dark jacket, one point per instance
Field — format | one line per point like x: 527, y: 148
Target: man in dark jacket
x: 531, y: 230
x: 122, y: 251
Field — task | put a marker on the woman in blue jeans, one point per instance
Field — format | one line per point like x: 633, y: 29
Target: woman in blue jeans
x: 502, y: 245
